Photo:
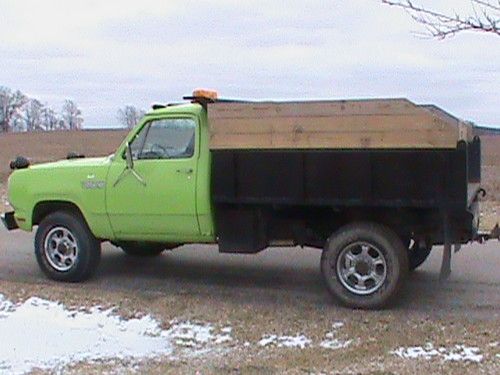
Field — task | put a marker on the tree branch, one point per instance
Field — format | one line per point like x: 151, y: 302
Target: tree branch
x: 441, y: 25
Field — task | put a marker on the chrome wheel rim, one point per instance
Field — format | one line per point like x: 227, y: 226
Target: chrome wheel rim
x: 361, y: 268
x: 61, y: 249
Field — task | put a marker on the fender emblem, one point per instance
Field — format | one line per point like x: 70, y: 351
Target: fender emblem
x: 94, y: 184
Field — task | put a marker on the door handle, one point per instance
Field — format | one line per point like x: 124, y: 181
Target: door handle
x: 185, y: 170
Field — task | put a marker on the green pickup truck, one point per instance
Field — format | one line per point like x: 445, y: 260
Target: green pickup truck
x: 375, y: 211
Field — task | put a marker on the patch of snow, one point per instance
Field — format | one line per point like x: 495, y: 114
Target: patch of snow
x: 334, y: 344
x: 337, y: 325
x: 194, y: 335
x: 456, y: 353
x: 5, y: 306
x: 464, y: 353
x: 4, y: 198
x: 298, y: 341
x: 413, y: 352
x: 302, y: 342
x: 45, y: 334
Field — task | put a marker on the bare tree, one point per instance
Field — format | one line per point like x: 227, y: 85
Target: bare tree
x: 129, y: 116
x: 17, y: 123
x: 71, y: 115
x: 10, y: 105
x: 32, y: 115
x: 20, y: 113
x: 50, y: 119
x: 484, y: 17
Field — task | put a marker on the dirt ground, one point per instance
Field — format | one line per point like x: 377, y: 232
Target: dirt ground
x: 48, y: 146
x: 371, y: 336
x: 261, y: 296
x: 279, y: 292
x: 41, y: 147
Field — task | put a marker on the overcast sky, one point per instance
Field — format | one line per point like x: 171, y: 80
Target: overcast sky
x: 105, y: 54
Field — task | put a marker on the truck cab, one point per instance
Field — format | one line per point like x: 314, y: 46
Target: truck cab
x: 170, y: 179
x: 164, y: 197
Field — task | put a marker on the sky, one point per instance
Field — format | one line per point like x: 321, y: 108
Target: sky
x: 107, y: 54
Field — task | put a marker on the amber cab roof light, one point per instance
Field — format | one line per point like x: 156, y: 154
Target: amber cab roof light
x: 203, y: 96
x: 205, y: 93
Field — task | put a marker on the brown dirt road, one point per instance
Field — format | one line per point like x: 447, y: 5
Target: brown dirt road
x: 280, y: 292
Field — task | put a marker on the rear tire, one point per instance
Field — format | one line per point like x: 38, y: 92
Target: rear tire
x: 65, y: 248
x: 364, y: 265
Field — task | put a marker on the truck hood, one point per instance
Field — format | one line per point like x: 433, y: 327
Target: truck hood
x: 73, y: 163
x: 76, y: 180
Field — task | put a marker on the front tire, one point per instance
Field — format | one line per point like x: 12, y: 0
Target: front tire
x: 65, y: 248
x: 364, y: 265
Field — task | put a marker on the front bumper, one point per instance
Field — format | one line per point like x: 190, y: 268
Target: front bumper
x: 8, y: 220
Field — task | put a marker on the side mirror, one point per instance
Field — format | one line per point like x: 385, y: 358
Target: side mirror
x: 128, y: 156
x: 129, y: 168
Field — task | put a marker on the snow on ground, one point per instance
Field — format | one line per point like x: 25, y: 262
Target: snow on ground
x: 334, y: 343
x: 3, y: 199
x: 42, y: 334
x: 46, y: 335
x: 428, y: 351
x: 298, y: 341
x: 193, y: 335
x: 337, y: 325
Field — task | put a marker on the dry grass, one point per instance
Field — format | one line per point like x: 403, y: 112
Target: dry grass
x: 42, y: 147
x: 491, y: 167
x: 373, y: 333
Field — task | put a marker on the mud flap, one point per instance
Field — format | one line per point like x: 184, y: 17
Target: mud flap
x: 445, y: 272
x: 9, y: 221
x: 446, y: 263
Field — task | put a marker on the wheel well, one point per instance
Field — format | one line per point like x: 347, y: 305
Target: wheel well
x: 313, y: 225
x: 402, y: 221
x: 42, y: 209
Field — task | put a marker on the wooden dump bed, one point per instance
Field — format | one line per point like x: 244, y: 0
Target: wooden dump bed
x: 343, y: 124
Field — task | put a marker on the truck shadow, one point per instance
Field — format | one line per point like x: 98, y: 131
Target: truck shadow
x: 206, y: 268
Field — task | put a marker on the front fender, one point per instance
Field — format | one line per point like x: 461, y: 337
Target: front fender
x: 97, y: 222
x: 82, y: 186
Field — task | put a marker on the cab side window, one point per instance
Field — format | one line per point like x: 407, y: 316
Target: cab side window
x: 165, y: 139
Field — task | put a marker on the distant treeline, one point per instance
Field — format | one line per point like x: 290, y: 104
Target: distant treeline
x: 21, y: 113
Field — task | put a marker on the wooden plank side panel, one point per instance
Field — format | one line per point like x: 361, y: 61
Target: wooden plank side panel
x: 355, y: 124
x: 312, y: 108
x: 332, y: 124
x: 338, y: 140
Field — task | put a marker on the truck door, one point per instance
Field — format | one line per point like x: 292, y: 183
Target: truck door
x: 156, y: 199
